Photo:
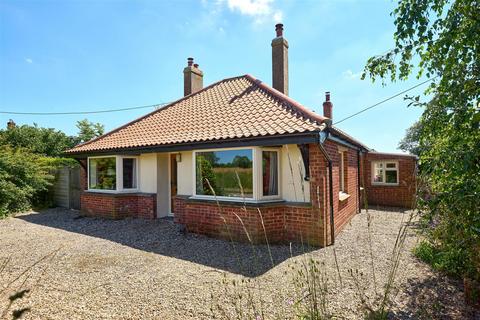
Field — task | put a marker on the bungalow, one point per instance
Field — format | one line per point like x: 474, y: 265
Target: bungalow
x: 239, y: 154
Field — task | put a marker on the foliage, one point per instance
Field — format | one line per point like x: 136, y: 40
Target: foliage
x: 206, y: 180
x: 88, y: 130
x: 45, y: 141
x: 411, y: 142
x: 442, y: 40
x: 23, y: 178
x: 451, y: 262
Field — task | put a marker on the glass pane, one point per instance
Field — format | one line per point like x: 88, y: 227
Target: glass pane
x: 223, y: 170
x: 391, y: 165
x: 378, y: 165
x: 102, y: 173
x: 378, y: 175
x: 129, y: 173
x: 391, y: 176
x: 270, y: 173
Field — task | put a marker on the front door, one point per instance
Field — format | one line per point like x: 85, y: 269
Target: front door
x: 173, y: 181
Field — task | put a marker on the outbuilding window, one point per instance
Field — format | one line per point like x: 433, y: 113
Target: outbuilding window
x: 237, y: 173
x: 385, y: 173
x: 112, y: 173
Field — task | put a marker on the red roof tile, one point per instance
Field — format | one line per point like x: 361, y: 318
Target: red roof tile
x: 232, y: 108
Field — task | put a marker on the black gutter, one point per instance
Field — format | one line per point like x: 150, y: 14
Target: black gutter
x: 297, y: 138
x: 330, y: 186
x: 358, y: 180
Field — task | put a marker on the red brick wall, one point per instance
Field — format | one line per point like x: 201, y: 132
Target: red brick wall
x: 346, y: 209
x: 402, y: 195
x: 118, y: 206
x: 283, y: 222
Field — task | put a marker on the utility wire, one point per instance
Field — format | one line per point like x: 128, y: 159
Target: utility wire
x: 385, y: 100
x: 84, y: 112
x: 165, y: 103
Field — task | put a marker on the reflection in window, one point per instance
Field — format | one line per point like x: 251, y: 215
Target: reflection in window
x: 270, y: 173
x: 129, y: 173
x: 102, y: 174
x: 223, y: 170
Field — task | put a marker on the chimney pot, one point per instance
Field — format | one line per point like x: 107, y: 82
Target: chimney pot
x: 195, y: 65
x: 190, y: 62
x: 327, y: 106
x: 279, y: 29
x: 280, y: 61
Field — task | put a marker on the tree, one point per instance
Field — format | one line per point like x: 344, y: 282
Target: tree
x: 44, y: 141
x: 24, y: 176
x: 441, y: 40
x: 89, y: 130
x: 411, y: 142
x: 241, y: 162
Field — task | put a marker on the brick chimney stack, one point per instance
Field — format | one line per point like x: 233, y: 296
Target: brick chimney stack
x: 192, y: 78
x: 11, y: 124
x: 280, y: 61
x: 327, y: 106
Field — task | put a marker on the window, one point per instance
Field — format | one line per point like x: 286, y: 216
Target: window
x: 113, y: 173
x: 129, y: 173
x: 341, y: 174
x: 385, y: 172
x: 102, y: 173
x: 228, y: 172
x: 237, y: 174
x: 270, y: 173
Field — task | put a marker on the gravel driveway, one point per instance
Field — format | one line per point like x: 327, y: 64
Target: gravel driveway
x: 140, y: 269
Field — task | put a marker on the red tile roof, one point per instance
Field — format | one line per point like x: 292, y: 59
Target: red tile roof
x: 237, y: 107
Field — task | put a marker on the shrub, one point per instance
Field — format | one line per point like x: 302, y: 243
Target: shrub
x: 453, y: 261
x: 23, y: 178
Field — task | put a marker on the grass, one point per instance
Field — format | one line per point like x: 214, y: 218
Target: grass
x: 313, y: 285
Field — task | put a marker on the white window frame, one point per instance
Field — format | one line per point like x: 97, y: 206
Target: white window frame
x: 256, y: 172
x: 385, y: 169
x: 341, y: 172
x: 118, y: 174
x: 260, y: 175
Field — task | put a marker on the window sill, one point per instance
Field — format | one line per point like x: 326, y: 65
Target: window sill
x: 384, y: 184
x: 115, y: 193
x: 342, y: 196
x: 247, y: 203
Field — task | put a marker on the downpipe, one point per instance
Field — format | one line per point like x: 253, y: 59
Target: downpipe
x: 330, y: 183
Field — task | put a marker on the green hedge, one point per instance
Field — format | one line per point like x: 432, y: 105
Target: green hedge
x: 25, y: 179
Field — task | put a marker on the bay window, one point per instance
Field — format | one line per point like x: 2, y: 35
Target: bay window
x: 385, y: 173
x: 240, y: 173
x: 112, y: 173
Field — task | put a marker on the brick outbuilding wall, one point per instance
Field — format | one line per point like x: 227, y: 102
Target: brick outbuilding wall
x: 401, y: 195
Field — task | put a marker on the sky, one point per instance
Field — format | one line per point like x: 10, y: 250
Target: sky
x: 61, y: 56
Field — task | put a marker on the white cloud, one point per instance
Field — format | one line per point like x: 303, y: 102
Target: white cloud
x: 350, y: 75
x: 259, y: 10
x: 28, y: 60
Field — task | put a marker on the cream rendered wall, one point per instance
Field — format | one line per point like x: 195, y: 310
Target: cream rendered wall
x: 294, y: 187
x: 148, y: 172
x: 185, y: 174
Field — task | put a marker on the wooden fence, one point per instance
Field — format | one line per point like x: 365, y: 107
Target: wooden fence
x: 66, y: 190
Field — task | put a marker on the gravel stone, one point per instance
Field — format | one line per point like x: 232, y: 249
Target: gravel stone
x: 152, y: 269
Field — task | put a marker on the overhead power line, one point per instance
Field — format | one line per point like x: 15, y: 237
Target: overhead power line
x: 385, y: 100
x: 84, y: 112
